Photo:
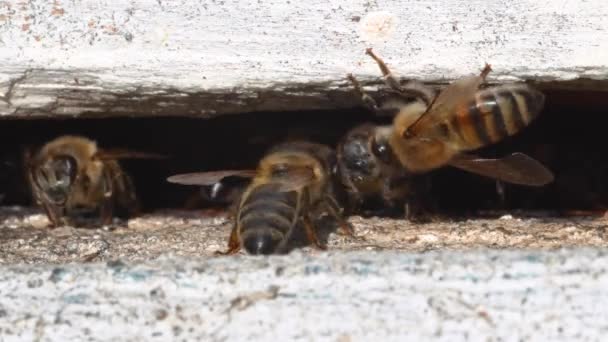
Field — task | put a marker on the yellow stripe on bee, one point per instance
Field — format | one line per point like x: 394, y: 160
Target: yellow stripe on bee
x: 510, y: 109
x: 463, y: 125
x: 486, y: 104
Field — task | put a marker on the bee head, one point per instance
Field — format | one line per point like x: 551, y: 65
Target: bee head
x: 55, y: 178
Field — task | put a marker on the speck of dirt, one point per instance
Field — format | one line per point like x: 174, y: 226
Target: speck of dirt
x: 57, y: 274
x: 157, y: 293
x: 160, y: 314
x: 34, y: 283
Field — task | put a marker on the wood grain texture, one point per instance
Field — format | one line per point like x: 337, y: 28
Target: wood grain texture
x: 203, y: 58
x: 356, y: 296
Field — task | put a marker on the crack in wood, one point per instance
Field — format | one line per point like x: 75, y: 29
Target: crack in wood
x: 12, y: 83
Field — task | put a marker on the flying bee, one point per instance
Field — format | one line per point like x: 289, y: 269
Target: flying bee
x: 71, y: 173
x: 432, y: 130
x: 293, y: 182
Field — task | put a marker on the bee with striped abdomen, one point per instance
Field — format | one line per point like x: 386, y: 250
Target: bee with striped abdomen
x: 291, y: 184
x: 431, y: 130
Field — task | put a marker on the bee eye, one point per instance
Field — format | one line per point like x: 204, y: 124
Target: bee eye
x: 381, y: 151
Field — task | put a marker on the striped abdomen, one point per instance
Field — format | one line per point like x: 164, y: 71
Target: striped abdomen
x: 266, y: 218
x: 495, y: 113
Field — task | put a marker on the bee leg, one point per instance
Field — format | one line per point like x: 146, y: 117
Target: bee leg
x: 369, y: 101
x: 233, y: 244
x: 365, y: 97
x: 389, y: 79
x: 106, y: 212
x: 106, y: 209
x: 336, y: 212
x: 54, y: 213
x: 232, y: 210
x: 193, y: 201
x: 486, y: 70
x: 500, y: 191
x: 411, y: 88
x: 416, y: 212
x: 310, y: 233
x: 123, y: 189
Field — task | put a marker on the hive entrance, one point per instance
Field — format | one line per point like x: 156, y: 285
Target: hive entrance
x: 568, y: 137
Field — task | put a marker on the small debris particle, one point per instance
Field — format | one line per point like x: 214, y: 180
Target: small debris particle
x: 506, y: 217
x: 117, y: 265
x: 37, y: 221
x: 241, y: 303
x: 128, y: 36
x: 57, y: 274
x: 428, y: 238
x: 34, y: 283
x: 343, y: 338
x: 57, y: 11
x: 483, y: 313
x: 160, y: 314
x: 355, y: 18
x: 157, y: 293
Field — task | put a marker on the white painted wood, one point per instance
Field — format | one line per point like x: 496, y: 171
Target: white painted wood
x: 186, y: 57
x: 355, y: 296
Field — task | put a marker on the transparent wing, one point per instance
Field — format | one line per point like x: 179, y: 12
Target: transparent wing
x: 208, y: 178
x: 455, y: 96
x: 516, y: 168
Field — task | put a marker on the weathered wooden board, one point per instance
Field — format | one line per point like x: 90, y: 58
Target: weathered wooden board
x: 201, y: 58
x: 356, y: 296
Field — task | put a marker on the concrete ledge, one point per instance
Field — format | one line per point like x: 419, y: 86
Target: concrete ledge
x: 352, y: 296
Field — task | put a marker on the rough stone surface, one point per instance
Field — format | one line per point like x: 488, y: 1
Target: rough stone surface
x: 155, y: 278
x: 185, y: 57
x: 335, y: 296
x: 25, y: 238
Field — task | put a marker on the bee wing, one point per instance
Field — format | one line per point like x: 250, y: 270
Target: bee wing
x: 117, y: 153
x: 516, y: 168
x: 208, y: 178
x: 456, y: 95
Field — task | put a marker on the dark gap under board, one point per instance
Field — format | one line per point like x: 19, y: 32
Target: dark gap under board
x: 569, y: 137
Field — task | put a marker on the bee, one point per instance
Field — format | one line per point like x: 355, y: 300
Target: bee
x: 71, y: 175
x: 430, y: 131
x: 292, y: 183
x: 375, y: 182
